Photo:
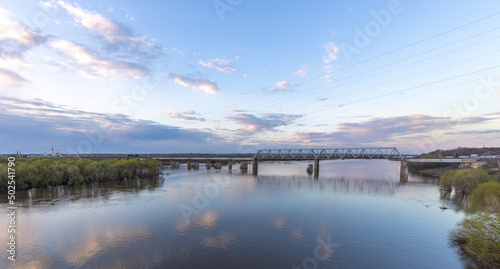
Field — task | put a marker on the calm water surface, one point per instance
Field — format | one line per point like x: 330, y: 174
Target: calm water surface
x: 356, y: 215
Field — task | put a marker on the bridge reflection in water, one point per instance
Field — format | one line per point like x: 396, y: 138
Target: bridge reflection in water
x: 341, y: 185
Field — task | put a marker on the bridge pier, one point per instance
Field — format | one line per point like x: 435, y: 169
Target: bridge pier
x: 255, y: 166
x: 402, y: 171
x: 208, y: 164
x: 229, y: 165
x: 316, y: 168
x: 189, y: 164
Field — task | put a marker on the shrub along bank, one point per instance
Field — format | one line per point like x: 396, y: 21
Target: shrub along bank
x: 479, y: 233
x: 45, y: 172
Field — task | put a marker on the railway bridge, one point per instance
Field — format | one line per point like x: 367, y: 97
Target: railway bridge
x: 316, y: 155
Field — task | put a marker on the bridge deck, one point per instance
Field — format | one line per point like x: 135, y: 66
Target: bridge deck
x: 198, y: 158
x: 434, y: 160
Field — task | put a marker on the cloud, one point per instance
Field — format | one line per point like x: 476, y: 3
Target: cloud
x: 222, y: 65
x: 117, y: 36
x: 321, y: 99
x: 71, y: 129
x: 188, y: 115
x: 302, y: 72
x: 89, y: 64
x: 281, y: 86
x: 332, y: 51
x: 266, y: 122
x: 199, y: 84
x: 385, y: 129
x: 475, y: 132
x: 11, y: 78
x: 16, y: 39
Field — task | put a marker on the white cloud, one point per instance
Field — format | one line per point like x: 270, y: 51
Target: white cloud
x: 11, y: 78
x: 93, y: 21
x: 329, y: 70
x: 116, y: 35
x: 302, y: 72
x: 332, y: 51
x: 222, y: 65
x: 199, y: 84
x: 189, y: 116
x: 48, y: 4
x: 3, y: 11
x: 282, y: 84
x: 89, y: 64
x: 15, y: 38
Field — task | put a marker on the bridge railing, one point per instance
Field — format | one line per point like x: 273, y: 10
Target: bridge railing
x: 329, y: 153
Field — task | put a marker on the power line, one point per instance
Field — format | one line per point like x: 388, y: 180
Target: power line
x: 365, y: 61
x: 347, y: 83
x: 406, y: 77
x: 415, y: 87
x: 398, y: 98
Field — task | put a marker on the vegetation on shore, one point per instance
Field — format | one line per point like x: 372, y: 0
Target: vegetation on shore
x: 464, y: 181
x: 45, y: 172
x: 461, y: 152
x: 479, y: 233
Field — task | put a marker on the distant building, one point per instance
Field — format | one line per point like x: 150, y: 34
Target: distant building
x: 45, y: 155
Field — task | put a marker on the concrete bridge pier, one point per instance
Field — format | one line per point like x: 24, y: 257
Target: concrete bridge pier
x: 171, y: 162
x: 402, y: 171
x: 229, y: 165
x: 189, y: 164
x: 316, y: 168
x: 255, y: 166
x: 208, y: 164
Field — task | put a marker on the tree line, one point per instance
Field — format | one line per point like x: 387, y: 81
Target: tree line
x: 479, y: 233
x: 464, y: 181
x: 462, y: 152
x: 45, y: 172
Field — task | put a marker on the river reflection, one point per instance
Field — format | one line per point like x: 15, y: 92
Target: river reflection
x: 356, y: 215
x: 342, y: 185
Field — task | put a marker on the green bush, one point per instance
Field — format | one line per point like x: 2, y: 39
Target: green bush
x: 486, y: 197
x: 480, y: 236
x: 463, y: 181
x: 446, y: 181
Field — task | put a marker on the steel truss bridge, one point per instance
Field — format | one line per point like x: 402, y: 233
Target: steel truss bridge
x: 328, y: 153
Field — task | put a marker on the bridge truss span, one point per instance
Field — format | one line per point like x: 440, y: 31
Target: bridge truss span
x: 328, y: 153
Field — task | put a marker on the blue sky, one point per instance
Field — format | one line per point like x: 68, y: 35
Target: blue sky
x: 239, y: 75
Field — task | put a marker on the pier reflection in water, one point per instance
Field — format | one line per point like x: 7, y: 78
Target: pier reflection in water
x: 234, y: 220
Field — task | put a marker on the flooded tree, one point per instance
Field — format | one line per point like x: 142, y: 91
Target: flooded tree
x: 45, y: 172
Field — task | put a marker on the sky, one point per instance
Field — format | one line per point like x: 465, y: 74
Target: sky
x: 219, y: 76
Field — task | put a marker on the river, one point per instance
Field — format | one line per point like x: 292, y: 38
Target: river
x: 356, y: 215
